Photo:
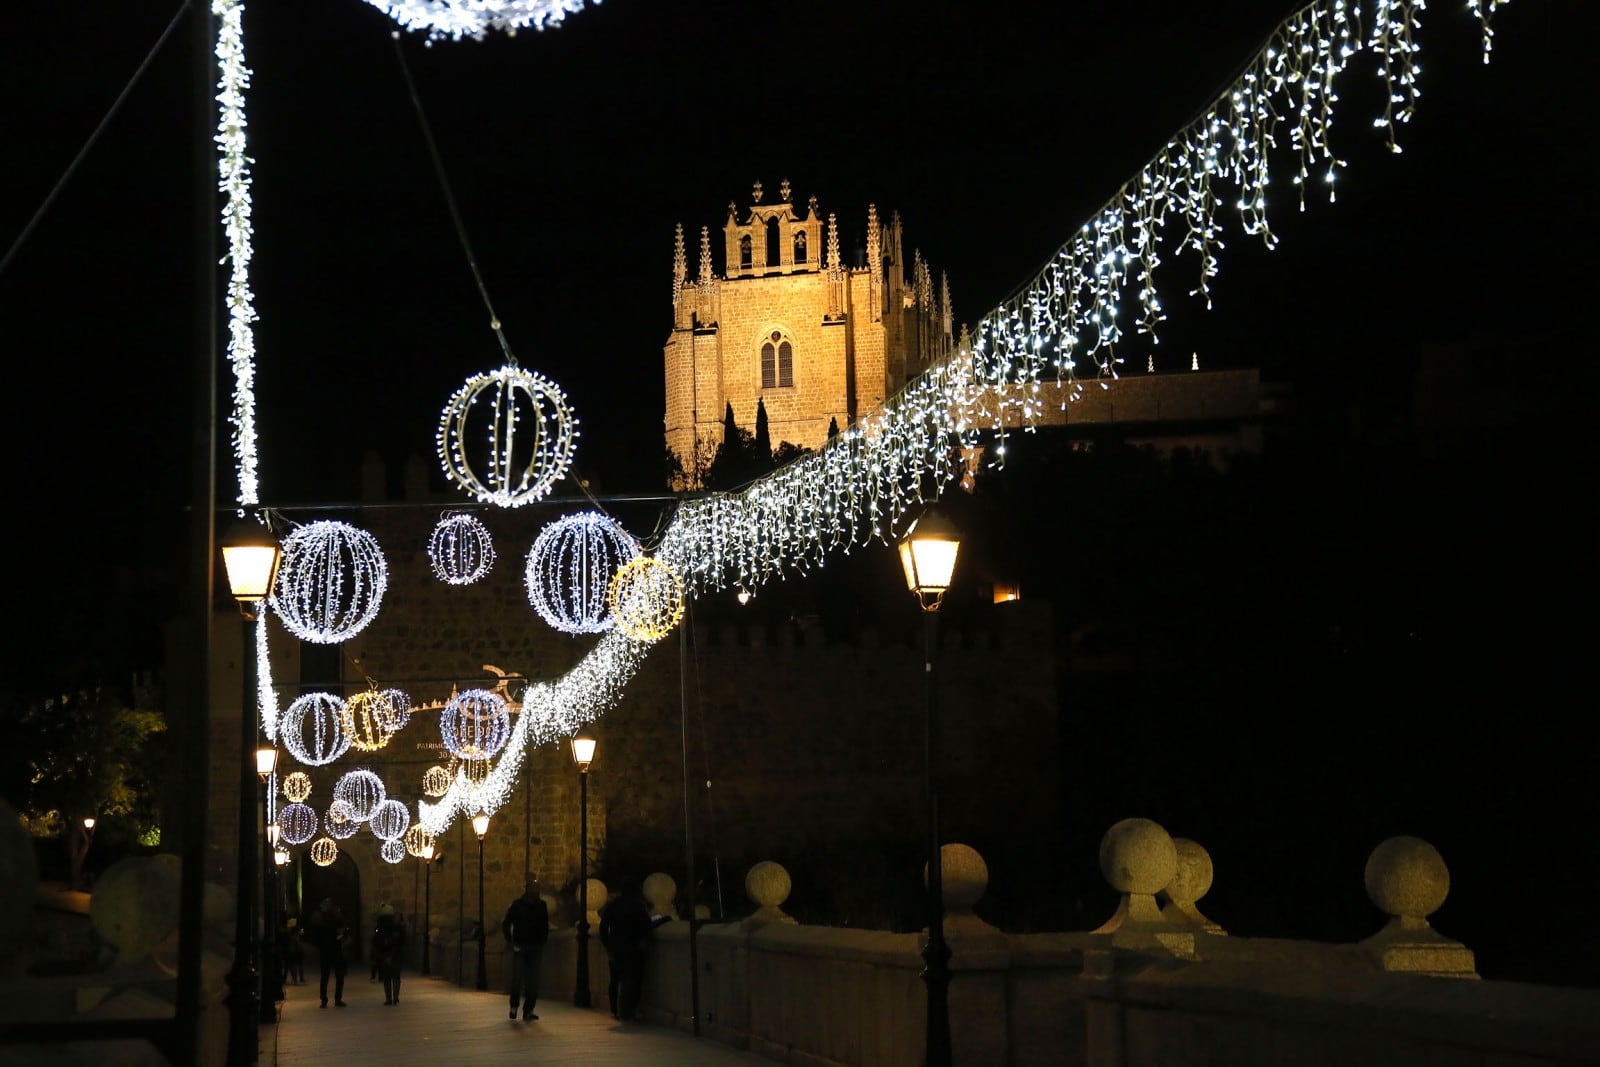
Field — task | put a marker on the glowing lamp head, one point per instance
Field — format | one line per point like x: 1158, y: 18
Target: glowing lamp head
x: 928, y: 556
x: 480, y: 824
x: 427, y: 852
x: 280, y: 856
x: 583, y: 751
x: 266, y: 762
x: 88, y: 822
x: 250, y: 554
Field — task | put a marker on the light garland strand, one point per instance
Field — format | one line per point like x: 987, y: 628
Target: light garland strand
x: 266, y: 696
x: 234, y: 182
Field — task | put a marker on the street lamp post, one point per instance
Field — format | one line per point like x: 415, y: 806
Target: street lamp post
x: 250, y: 556
x: 480, y: 826
x: 427, y: 904
x: 271, y: 963
x: 928, y: 555
x: 583, y: 755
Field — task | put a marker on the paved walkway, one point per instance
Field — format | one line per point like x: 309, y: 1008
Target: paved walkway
x: 436, y: 1022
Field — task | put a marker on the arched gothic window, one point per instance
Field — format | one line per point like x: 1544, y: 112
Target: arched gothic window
x: 773, y: 254
x: 777, y: 362
x: 800, y: 247
x: 744, y: 251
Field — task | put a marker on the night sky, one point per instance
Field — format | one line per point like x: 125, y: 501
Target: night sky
x: 994, y: 130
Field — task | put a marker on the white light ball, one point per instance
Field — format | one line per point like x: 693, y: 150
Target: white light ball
x: 330, y: 582
x: 531, y: 434
x: 460, y: 550
x: 570, y: 568
x: 312, y: 729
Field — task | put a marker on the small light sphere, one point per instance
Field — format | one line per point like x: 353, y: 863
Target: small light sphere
x: 361, y: 791
x: 390, y: 820
x: 474, y: 18
x: 363, y: 720
x: 436, y: 782
x: 324, y: 851
x: 417, y: 839
x: 393, y: 711
x: 475, y: 724
x: 646, y: 596
x: 570, y: 567
x: 338, y: 821
x: 330, y: 583
x: 519, y: 471
x: 297, y: 823
x: 392, y: 852
x: 312, y: 729
x: 460, y: 550
x: 296, y: 786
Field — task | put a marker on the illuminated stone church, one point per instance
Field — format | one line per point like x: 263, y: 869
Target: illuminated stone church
x: 788, y: 324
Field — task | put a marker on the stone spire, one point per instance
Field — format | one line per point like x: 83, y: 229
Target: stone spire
x: 705, y: 255
x: 834, y: 268
x: 874, y: 264
x: 679, y: 265
x: 947, y: 316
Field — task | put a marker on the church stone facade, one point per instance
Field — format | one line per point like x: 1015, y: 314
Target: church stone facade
x: 788, y: 325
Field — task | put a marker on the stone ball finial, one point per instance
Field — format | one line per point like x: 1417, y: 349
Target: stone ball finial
x: 135, y: 904
x: 1194, y: 874
x: 660, y: 890
x: 1406, y: 878
x: 598, y: 895
x: 1138, y: 856
x: 964, y: 876
x: 767, y: 884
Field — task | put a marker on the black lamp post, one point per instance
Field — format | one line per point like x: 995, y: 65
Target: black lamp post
x: 928, y: 554
x: 583, y: 755
x: 427, y: 905
x: 250, y: 556
x: 271, y: 963
x: 480, y: 826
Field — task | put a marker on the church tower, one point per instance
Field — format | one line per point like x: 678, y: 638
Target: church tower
x: 788, y: 325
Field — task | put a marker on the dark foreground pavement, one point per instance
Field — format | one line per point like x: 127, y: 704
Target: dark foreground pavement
x: 436, y: 1022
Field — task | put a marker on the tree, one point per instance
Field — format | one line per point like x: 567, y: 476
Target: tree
x: 763, y: 442
x: 92, y: 752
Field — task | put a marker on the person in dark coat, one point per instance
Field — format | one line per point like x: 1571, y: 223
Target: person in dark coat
x: 625, y: 928
x: 388, y: 945
x: 330, y: 932
x: 527, y: 928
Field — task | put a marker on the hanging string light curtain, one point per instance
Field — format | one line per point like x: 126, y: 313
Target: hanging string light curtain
x: 861, y: 485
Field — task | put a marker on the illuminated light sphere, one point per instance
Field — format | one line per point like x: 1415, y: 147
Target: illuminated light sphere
x: 361, y: 791
x: 460, y: 549
x: 570, y: 568
x: 475, y: 18
x: 330, y: 582
x: 389, y: 820
x: 364, y: 716
x: 530, y: 431
x: 339, y: 821
x: 394, y: 710
x: 297, y: 823
x: 324, y: 851
x: 417, y: 838
x: 312, y: 729
x: 475, y: 724
x: 476, y: 770
x: 392, y: 852
x: 296, y: 787
x: 646, y: 596
x: 436, y: 782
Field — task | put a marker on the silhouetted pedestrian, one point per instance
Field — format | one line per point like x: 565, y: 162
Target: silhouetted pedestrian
x: 330, y: 932
x: 527, y: 928
x: 388, y: 947
x: 625, y: 928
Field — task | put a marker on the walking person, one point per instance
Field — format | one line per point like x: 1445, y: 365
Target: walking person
x: 625, y: 928
x: 388, y: 946
x: 526, y: 927
x: 330, y: 932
